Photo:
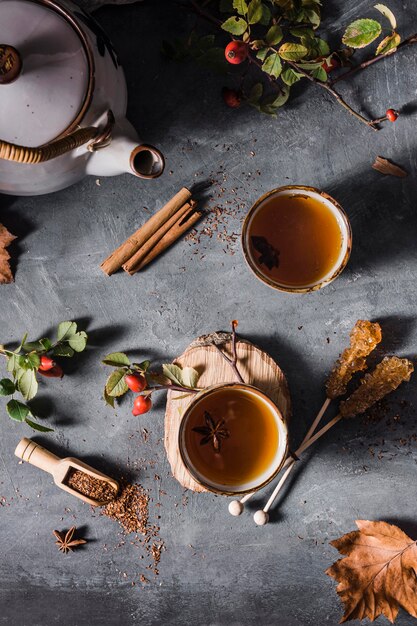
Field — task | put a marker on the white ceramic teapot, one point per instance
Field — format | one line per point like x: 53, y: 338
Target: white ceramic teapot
x: 63, y: 101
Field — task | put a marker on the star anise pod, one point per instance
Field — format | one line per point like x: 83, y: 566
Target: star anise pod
x: 213, y: 432
x: 65, y: 541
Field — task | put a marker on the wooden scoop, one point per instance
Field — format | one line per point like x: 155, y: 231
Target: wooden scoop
x: 33, y: 453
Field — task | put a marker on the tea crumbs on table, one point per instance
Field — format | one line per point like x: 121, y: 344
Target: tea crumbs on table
x: 129, y: 508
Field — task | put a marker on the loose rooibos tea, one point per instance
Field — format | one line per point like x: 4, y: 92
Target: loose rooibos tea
x: 88, y: 485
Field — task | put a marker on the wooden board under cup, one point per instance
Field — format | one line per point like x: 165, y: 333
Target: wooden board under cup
x: 256, y: 367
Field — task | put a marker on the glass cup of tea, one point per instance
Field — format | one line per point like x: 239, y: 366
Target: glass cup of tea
x: 296, y: 239
x: 233, y: 439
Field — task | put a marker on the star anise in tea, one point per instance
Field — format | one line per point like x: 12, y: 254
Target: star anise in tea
x: 269, y: 254
x: 213, y: 432
x: 66, y: 542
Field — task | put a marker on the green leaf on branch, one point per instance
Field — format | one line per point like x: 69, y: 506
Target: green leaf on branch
x: 17, y: 410
x: 274, y: 35
x: 108, y: 399
x: 255, y: 93
x: 386, y: 12
x: 27, y: 384
x: 240, y: 6
x: 38, y: 427
x: 13, y: 364
x: 292, y: 51
x: 300, y: 32
x: 116, y: 359
x: 141, y: 367
x: 388, y: 44
x: 78, y: 342
x: 235, y: 25
x: 289, y: 76
x: 63, y: 350
x: 319, y: 74
x: 272, y: 65
x: 318, y: 47
x: 42, y: 345
x: 266, y: 16
x: 185, y: 377
x: 66, y: 330
x: 276, y: 101
x: 7, y: 387
x: 254, y: 11
x: 362, y: 32
x: 261, y: 54
x: 116, y: 385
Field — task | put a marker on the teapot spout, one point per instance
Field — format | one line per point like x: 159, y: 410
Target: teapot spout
x: 126, y: 154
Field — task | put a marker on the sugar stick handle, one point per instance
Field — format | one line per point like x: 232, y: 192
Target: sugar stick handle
x: 33, y: 453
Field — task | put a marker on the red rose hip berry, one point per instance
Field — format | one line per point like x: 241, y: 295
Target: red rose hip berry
x: 236, y: 52
x: 231, y: 97
x: 135, y: 382
x: 54, y: 372
x: 392, y: 115
x: 332, y: 65
x: 141, y: 405
x: 46, y: 363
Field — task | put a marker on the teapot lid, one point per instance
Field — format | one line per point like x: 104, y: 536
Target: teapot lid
x: 46, y: 72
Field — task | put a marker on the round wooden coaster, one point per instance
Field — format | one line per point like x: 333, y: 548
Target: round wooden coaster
x: 256, y: 367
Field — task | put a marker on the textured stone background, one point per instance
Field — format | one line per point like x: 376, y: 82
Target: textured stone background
x: 235, y: 573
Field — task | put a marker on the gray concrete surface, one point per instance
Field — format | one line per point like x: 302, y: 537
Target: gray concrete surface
x: 234, y: 573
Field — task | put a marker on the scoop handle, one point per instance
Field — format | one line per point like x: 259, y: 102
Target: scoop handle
x: 33, y: 453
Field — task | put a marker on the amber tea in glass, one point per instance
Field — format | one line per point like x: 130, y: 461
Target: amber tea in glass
x: 233, y: 438
x: 297, y: 239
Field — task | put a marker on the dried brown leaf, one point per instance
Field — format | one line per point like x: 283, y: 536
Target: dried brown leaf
x: 378, y: 572
x: 387, y: 167
x: 6, y: 239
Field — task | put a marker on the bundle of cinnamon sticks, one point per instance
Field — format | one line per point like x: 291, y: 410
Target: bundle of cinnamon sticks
x: 155, y: 236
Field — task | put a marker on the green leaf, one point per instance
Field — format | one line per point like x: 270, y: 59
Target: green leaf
x: 226, y: 6
x: 388, y: 44
x: 266, y: 16
x: 13, y: 364
x: 320, y: 74
x: 173, y: 373
x: 255, y: 93
x: 27, y: 384
x: 17, y: 410
x: 261, y: 54
x: 235, y: 25
x: 319, y: 47
x: 39, y: 427
x: 116, y: 359
x: 190, y: 377
x: 32, y: 346
x: 33, y: 360
x: 108, y: 399
x: 386, y: 12
x: 240, y: 6
x: 313, y: 16
x: 361, y: 33
x: 116, y: 384
x: 272, y: 65
x: 66, y: 330
x: 7, y: 387
x: 292, y: 51
x: 302, y: 32
x: 274, y: 35
x: 141, y: 367
x: 289, y: 76
x: 254, y: 11
x: 279, y: 100
x: 78, y: 341
x: 63, y: 350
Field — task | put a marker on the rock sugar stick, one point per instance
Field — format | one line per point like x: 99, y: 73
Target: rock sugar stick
x: 364, y: 338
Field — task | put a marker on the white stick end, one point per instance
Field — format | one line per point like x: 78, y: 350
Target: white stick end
x: 261, y: 518
x: 235, y: 507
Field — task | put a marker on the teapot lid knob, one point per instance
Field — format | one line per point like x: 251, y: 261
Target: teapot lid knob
x: 10, y: 64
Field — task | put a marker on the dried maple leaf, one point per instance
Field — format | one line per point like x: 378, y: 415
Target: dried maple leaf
x: 378, y: 573
x: 6, y: 239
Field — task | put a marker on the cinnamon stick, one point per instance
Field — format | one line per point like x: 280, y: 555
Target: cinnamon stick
x: 156, y: 237
x: 135, y: 241
x: 181, y: 226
